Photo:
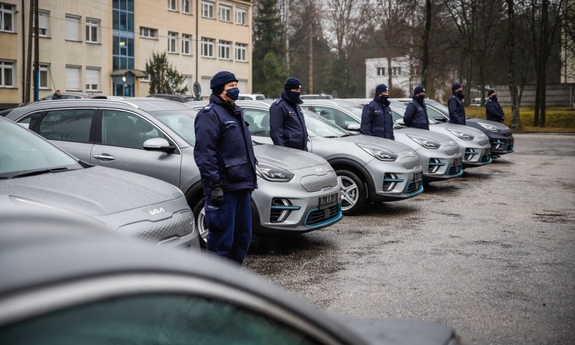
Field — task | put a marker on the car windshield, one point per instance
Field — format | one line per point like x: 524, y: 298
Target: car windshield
x: 399, y: 109
x: 322, y: 127
x: 181, y: 122
x: 24, y: 153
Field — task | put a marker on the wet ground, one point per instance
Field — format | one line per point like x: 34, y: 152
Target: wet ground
x: 491, y: 253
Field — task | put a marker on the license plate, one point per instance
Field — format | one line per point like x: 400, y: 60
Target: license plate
x: 457, y: 161
x: 328, y: 201
x: 417, y: 176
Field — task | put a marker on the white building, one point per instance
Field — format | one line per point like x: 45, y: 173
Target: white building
x: 379, y: 70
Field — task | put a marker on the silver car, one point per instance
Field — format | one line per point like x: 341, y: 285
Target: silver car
x: 35, y: 172
x: 371, y: 169
x: 441, y: 157
x: 298, y: 191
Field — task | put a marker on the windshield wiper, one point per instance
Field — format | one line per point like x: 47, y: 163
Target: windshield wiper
x: 41, y: 172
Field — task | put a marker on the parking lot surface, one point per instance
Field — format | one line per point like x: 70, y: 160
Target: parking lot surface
x: 491, y: 253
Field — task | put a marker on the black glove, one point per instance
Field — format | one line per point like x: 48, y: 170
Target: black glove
x: 217, y: 195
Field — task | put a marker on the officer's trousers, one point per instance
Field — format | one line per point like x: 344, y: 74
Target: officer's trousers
x: 230, y: 226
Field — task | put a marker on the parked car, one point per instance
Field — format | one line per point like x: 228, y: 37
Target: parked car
x: 174, y: 97
x: 316, y: 96
x: 67, y: 282
x: 500, y: 136
x: 33, y: 171
x: 371, y: 169
x: 440, y: 156
x: 298, y: 191
x: 252, y: 97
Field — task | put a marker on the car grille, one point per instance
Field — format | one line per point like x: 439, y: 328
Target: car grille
x: 179, y: 224
x: 315, y: 183
x: 317, y: 216
x: 413, y: 187
x: 454, y: 169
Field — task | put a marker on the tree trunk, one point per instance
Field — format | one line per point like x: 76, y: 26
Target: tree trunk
x: 515, y: 119
x: 425, y: 56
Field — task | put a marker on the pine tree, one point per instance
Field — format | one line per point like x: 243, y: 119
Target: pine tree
x: 163, y: 77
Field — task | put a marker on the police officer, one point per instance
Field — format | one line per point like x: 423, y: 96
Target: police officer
x: 416, y: 112
x: 225, y: 156
x: 57, y: 95
x: 455, y: 105
x: 376, y: 117
x: 493, y: 110
x: 287, y: 124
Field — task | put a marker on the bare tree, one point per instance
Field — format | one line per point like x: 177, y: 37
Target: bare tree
x: 515, y: 119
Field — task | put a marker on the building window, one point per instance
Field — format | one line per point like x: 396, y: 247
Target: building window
x: 92, y: 30
x: 241, y: 52
x: 6, y: 74
x: 186, y: 6
x: 72, y: 78
x: 92, y: 79
x: 73, y: 28
x: 148, y: 33
x: 225, y: 48
x: 42, y: 23
x: 241, y: 16
x: 225, y: 13
x: 186, y: 44
x: 123, y: 53
x: 398, y: 70
x: 44, y: 73
x: 381, y: 71
x: 123, y: 15
x: 172, y: 39
x: 172, y: 5
x: 6, y: 17
x: 207, y: 9
x: 208, y: 47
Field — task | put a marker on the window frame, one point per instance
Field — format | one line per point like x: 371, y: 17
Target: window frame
x: 7, y: 10
x: 89, y: 85
x: 79, y: 70
x: 150, y: 33
x: 224, y: 50
x: 225, y: 12
x: 172, y: 42
x: 91, y: 25
x: 186, y: 44
x: 44, y: 69
x: 46, y: 27
x: 186, y: 4
x: 209, y: 45
x: 241, y: 48
x: 172, y: 5
x: 241, y: 13
x: 208, y: 9
x: 7, y: 65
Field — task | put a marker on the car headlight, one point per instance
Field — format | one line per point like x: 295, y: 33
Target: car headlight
x: 273, y: 173
x: 489, y: 127
x: 461, y: 134
x: 379, y: 153
x: 427, y: 143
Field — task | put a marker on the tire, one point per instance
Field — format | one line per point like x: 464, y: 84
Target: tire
x: 353, y: 193
x: 199, y: 215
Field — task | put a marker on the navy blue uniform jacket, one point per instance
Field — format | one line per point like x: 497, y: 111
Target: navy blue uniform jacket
x: 493, y: 111
x: 287, y: 124
x: 224, y: 151
x: 376, y: 119
x: 416, y: 115
x: 456, y: 110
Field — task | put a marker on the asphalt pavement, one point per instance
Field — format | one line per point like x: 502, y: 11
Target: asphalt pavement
x: 490, y: 253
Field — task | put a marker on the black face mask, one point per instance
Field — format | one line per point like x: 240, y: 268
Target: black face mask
x: 459, y: 94
x: 420, y: 98
x: 383, y: 97
x: 494, y: 98
x: 294, y: 96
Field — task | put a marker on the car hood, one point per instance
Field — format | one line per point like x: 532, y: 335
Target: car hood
x: 388, y: 144
x: 95, y: 191
x: 287, y: 158
x: 423, y: 133
x: 499, y: 125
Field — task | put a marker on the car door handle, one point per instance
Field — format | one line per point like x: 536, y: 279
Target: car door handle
x: 104, y: 157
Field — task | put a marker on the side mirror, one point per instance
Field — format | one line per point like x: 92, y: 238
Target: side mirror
x: 158, y: 144
x: 440, y: 119
x: 354, y: 127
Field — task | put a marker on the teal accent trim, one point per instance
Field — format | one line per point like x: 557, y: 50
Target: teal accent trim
x: 458, y: 173
x: 326, y: 222
x: 437, y: 164
x: 392, y: 180
x: 283, y: 208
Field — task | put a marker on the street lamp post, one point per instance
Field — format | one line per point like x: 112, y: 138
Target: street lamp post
x: 310, y: 49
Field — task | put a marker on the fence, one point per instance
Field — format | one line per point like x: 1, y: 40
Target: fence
x: 557, y: 95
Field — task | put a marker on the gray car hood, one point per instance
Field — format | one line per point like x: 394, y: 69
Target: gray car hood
x: 423, y: 133
x: 388, y: 144
x: 286, y: 158
x: 94, y: 191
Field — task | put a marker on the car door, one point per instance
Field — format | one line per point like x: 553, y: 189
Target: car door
x: 69, y: 129
x: 120, y: 145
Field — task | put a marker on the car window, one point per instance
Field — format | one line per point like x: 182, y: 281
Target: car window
x: 120, y: 128
x: 30, y: 120
x: 21, y: 151
x: 181, y: 122
x: 154, y: 320
x: 67, y: 125
x: 259, y: 121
